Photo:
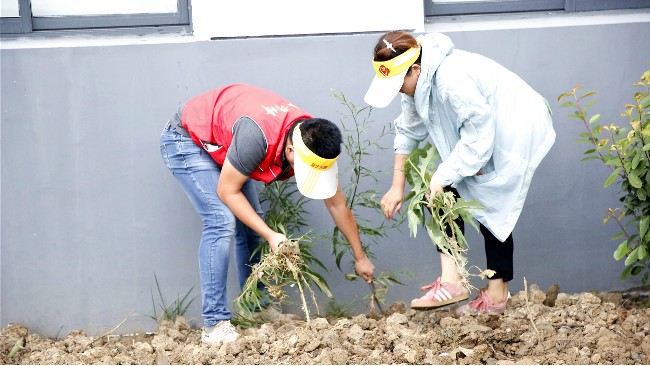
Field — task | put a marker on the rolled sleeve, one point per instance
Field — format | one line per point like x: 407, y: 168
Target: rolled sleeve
x: 402, y: 144
x: 445, y: 176
x: 409, y: 129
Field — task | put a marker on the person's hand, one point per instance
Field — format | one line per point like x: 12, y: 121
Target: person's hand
x: 392, y: 201
x: 275, y: 239
x: 365, y: 268
x: 434, y: 188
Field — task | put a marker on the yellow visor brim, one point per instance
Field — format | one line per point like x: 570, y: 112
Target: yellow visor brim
x: 316, y: 177
x: 397, y: 64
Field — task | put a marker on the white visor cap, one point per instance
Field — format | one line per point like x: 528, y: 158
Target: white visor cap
x: 382, y: 91
x: 316, y: 177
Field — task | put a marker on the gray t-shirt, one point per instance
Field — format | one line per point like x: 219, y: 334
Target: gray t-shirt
x: 248, y: 147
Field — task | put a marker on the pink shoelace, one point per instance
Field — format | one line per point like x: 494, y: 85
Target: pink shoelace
x: 482, y: 302
x: 432, y: 287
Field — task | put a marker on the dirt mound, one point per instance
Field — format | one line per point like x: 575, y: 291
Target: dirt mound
x: 549, y: 328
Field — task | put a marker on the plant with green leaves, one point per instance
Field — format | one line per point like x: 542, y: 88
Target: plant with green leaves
x: 285, y: 211
x: 443, y: 209
x: 293, y: 263
x: 172, y: 310
x: 356, y: 122
x: 626, y: 152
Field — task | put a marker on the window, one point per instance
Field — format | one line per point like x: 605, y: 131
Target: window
x: 25, y: 16
x: 458, y: 7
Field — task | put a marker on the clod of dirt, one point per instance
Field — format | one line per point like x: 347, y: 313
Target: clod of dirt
x: 551, y: 295
x: 581, y: 328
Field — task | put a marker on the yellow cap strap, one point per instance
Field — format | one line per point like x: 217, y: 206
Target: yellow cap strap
x: 308, y: 156
x: 397, y: 64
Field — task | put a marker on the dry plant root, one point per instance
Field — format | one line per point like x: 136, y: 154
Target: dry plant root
x: 276, y: 271
x: 530, y: 314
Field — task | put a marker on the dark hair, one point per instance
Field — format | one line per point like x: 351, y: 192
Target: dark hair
x: 401, y: 42
x: 321, y: 136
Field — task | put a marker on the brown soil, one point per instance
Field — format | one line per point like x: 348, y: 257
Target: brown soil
x: 549, y: 328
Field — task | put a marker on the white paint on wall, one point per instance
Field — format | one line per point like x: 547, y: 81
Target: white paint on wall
x: 251, y: 18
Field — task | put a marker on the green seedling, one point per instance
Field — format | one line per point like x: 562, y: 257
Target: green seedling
x: 18, y: 346
x: 378, y: 288
x: 336, y: 310
x: 173, y: 310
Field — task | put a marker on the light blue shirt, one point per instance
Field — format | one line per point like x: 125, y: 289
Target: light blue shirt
x: 490, y: 127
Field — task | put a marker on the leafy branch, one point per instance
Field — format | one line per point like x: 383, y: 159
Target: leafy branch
x: 443, y: 208
x: 626, y: 152
x: 356, y: 122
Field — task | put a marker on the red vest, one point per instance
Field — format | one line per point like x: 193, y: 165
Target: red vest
x: 210, y: 117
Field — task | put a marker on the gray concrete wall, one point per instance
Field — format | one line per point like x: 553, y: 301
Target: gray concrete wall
x: 89, y: 212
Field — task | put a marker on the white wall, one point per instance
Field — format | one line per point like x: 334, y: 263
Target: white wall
x: 250, y: 18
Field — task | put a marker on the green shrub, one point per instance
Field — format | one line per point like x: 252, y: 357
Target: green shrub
x: 626, y: 152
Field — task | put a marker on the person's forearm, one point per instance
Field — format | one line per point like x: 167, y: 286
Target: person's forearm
x: 240, y: 206
x: 350, y: 231
x: 345, y: 221
x: 399, y: 176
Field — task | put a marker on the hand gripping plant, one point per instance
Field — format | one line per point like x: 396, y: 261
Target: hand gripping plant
x: 626, y: 152
x: 277, y: 271
x: 442, y: 208
x: 292, y: 264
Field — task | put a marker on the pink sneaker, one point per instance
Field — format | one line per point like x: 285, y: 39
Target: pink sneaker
x: 440, y: 294
x: 482, y: 304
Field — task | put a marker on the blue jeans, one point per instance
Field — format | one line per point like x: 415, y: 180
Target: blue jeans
x: 198, y: 174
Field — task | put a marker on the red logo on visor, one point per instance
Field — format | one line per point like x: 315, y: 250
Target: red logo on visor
x: 384, y: 70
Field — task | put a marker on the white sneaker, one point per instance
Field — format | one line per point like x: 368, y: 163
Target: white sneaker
x: 224, y: 332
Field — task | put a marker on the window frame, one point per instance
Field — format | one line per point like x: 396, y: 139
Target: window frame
x: 514, y: 6
x: 25, y: 23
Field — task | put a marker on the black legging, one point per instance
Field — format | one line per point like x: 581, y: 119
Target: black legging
x: 499, y: 254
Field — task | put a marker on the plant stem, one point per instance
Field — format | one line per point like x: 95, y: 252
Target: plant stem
x: 530, y: 315
x: 594, y: 140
